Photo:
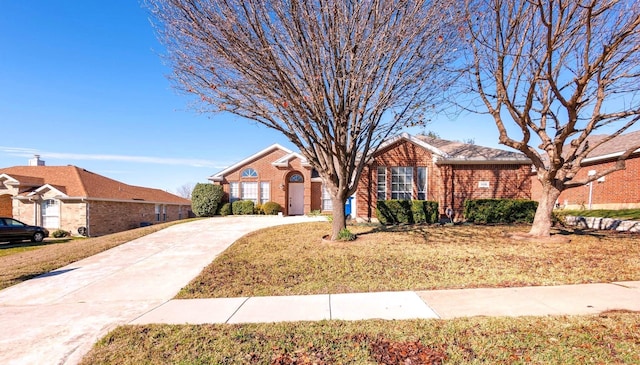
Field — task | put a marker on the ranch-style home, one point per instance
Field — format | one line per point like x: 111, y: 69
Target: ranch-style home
x: 82, y: 202
x: 618, y: 190
x: 405, y: 167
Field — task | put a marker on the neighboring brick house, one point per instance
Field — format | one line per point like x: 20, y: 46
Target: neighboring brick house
x: 405, y: 167
x: 618, y: 190
x: 76, y: 200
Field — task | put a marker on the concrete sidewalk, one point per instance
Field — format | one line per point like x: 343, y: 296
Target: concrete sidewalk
x: 57, y: 317
x: 445, y: 304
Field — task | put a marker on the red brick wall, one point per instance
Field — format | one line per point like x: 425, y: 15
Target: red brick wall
x: 403, y: 153
x: 277, y: 178
x: 505, y: 182
x: 449, y: 185
x: 620, y: 189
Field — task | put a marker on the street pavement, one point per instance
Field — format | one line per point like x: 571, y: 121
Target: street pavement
x: 57, y: 317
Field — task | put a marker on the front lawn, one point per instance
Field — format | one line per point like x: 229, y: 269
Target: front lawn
x: 612, y: 338
x: 291, y: 260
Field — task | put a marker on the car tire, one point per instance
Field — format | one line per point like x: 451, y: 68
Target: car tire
x: 37, y: 237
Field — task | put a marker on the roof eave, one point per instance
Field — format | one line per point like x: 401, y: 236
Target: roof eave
x: 483, y: 162
x: 220, y: 175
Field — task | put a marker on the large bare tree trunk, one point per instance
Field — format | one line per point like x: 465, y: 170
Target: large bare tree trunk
x: 339, y: 219
x: 542, y: 221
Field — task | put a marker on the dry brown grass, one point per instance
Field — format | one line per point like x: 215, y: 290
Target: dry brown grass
x: 291, y: 260
x: 29, y: 260
x: 612, y: 338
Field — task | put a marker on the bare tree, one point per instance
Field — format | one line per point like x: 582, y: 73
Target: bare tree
x: 185, y: 190
x: 551, y: 73
x: 336, y: 77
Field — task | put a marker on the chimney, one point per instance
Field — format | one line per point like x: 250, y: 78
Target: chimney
x: 36, y: 161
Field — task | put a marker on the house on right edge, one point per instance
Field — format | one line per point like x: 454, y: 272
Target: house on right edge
x: 618, y: 190
x: 448, y: 172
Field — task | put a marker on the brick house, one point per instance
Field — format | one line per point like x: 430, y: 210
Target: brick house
x: 76, y: 200
x: 405, y: 167
x: 618, y: 190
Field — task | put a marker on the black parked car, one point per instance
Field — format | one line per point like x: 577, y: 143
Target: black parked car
x: 14, y: 230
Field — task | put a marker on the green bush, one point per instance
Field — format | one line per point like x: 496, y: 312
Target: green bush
x: 257, y: 209
x: 242, y: 207
x: 407, y: 211
x: 424, y: 211
x: 271, y: 208
x: 225, y: 209
x: 500, y: 210
x: 205, y: 199
x: 346, y: 235
x: 60, y: 233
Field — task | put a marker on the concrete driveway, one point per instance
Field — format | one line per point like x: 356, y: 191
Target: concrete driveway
x: 57, y: 317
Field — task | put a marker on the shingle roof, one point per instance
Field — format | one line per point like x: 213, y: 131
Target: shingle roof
x: 464, y: 152
x: 618, y: 145
x: 81, y: 183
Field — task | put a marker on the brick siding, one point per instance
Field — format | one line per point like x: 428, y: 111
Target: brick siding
x: 620, y: 189
x: 449, y: 185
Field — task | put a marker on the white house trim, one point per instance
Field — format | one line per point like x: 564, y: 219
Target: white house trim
x: 220, y: 175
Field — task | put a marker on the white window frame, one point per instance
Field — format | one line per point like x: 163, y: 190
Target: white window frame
x: 265, y: 191
x: 249, y: 191
x: 249, y: 172
x: 158, y: 209
x: 234, y: 191
x: 326, y: 202
x: 382, y: 183
x: 50, y: 210
x: 402, y: 182
x: 422, y: 185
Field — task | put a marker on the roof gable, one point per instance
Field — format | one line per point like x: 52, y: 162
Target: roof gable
x: 454, y: 152
x: 284, y: 160
x: 220, y: 175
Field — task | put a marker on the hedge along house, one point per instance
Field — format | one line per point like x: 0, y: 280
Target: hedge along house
x: 617, y: 190
x: 82, y: 202
x: 405, y: 167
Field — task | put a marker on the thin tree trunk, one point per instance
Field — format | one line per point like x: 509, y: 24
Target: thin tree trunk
x: 339, y: 219
x: 542, y: 221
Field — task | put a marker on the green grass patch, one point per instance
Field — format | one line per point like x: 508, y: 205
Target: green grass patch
x: 624, y: 214
x: 292, y: 260
x: 611, y: 338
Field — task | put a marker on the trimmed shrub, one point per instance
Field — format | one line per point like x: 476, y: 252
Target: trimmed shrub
x: 60, y: 233
x: 225, y: 209
x: 407, y: 211
x: 424, y: 211
x: 257, y: 209
x: 394, y: 211
x: 500, y: 210
x: 271, y: 208
x: 242, y: 207
x: 205, y: 199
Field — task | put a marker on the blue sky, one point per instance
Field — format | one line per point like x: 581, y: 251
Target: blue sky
x: 82, y: 83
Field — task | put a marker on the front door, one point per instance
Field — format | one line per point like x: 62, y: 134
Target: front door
x: 296, y: 198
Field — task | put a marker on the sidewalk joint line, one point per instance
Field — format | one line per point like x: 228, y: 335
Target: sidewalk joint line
x: 330, y: 314
x: 236, y: 311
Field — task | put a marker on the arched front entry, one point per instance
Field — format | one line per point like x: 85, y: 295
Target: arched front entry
x: 6, y: 206
x: 295, y: 203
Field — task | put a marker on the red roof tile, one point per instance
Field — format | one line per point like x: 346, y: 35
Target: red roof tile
x: 78, y: 182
